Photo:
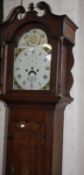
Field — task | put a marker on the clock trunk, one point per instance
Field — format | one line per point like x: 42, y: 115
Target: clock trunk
x: 34, y: 139
x: 36, y: 79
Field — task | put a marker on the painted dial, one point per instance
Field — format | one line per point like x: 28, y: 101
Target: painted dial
x: 32, y: 68
x: 33, y: 38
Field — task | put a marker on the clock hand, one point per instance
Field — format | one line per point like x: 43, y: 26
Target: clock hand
x: 30, y: 72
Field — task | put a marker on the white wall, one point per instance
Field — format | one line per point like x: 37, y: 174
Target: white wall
x: 73, y: 159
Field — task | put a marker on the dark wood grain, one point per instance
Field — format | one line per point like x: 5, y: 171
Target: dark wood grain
x: 35, y: 118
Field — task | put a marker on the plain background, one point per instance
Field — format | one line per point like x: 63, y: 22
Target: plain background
x: 73, y: 145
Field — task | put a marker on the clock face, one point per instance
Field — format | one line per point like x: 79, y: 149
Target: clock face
x: 32, y: 68
x: 32, y: 63
x: 33, y: 38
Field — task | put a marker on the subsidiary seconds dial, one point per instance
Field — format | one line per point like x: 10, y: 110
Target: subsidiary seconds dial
x: 32, y: 68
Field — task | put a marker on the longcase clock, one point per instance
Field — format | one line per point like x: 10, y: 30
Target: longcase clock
x: 36, y: 62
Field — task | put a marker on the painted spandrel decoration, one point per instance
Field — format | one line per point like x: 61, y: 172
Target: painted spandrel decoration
x: 32, y: 63
x: 36, y: 80
x: 35, y: 46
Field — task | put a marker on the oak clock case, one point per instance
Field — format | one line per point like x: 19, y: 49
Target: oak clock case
x: 35, y: 70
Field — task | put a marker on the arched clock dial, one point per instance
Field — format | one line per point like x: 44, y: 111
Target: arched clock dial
x: 35, y: 87
x: 33, y: 38
x: 32, y: 68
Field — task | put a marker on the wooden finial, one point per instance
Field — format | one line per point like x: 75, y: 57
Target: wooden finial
x: 31, y: 7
